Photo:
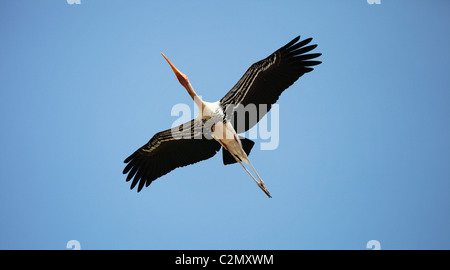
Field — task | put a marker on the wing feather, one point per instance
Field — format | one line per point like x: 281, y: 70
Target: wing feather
x: 168, y: 150
x: 265, y: 80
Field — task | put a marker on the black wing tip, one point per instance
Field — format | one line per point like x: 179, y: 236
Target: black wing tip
x: 294, y: 47
x: 141, y: 183
x: 137, y: 190
x: 128, y: 159
x: 308, y: 40
x: 308, y: 48
x: 304, y: 41
x: 291, y: 43
x: 126, y: 169
x: 307, y: 69
x: 312, y: 63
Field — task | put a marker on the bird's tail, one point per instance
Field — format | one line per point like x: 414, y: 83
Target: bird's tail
x: 247, y: 146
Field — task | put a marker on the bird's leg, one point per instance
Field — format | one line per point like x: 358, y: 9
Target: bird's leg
x: 261, y: 181
x: 256, y: 181
x: 261, y: 184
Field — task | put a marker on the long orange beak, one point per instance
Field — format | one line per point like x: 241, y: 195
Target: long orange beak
x: 183, y: 79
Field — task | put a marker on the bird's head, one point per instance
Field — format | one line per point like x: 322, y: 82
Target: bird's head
x: 182, y: 78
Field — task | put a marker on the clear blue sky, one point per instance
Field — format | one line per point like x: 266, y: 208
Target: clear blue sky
x: 364, y: 149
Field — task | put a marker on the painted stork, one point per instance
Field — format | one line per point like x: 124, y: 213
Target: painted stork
x: 217, y: 125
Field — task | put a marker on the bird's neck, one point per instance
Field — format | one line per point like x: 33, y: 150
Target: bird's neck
x: 197, y: 99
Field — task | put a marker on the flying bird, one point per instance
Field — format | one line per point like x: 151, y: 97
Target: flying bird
x: 219, y: 123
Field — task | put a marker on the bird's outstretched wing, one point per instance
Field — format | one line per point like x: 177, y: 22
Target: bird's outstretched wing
x: 168, y: 150
x: 265, y: 80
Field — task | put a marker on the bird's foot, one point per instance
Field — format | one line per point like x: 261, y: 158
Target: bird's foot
x: 264, y: 188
